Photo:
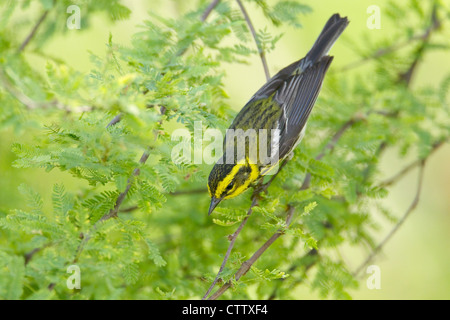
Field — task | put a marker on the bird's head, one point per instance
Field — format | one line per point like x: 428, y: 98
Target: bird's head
x: 230, y: 180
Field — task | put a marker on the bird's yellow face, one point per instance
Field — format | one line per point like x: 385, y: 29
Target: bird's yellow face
x: 230, y: 180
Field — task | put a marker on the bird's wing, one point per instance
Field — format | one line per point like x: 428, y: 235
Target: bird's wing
x: 275, y: 82
x: 284, y: 103
x: 296, y: 97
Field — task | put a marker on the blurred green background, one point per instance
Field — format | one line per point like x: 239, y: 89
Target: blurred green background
x: 415, y: 263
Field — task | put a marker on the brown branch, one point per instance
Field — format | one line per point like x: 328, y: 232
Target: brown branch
x: 246, y: 265
x: 406, y: 77
x: 113, y: 212
x: 115, y: 120
x: 410, y: 209
x: 380, y: 52
x: 261, y: 52
x: 256, y: 192
x: 22, y: 98
x: 358, y: 117
x: 331, y: 145
x: 388, y: 182
x: 29, y: 255
x: 209, y: 9
x: 30, y: 104
x: 424, y: 36
x: 33, y: 31
x: 312, y: 253
x: 419, y: 162
x: 410, y: 166
x: 413, y: 205
x: 129, y: 209
x: 232, y: 239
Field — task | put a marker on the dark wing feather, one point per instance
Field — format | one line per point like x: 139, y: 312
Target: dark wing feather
x: 296, y: 98
x: 330, y: 33
x: 275, y: 82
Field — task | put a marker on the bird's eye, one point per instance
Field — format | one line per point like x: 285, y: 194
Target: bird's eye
x: 230, y: 186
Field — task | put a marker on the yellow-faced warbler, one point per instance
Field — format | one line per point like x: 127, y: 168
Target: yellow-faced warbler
x: 276, y: 115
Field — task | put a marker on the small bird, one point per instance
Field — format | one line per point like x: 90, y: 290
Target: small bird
x: 281, y: 107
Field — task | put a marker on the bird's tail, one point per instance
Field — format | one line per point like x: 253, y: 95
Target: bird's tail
x: 330, y: 33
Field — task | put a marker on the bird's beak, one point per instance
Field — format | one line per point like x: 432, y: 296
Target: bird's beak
x: 214, y: 202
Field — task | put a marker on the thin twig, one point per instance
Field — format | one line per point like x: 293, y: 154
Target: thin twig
x: 29, y: 255
x: 256, y: 192
x: 330, y: 146
x: 406, y: 77
x: 232, y: 239
x: 268, y: 183
x: 129, y: 209
x: 380, y: 52
x: 410, y: 209
x: 112, y: 213
x: 33, y: 31
x: 246, y: 265
x: 209, y: 9
x: 424, y: 36
x: 115, y: 120
x: 255, y: 37
x: 312, y: 253
x: 410, y: 166
x: 30, y: 104
x: 358, y: 117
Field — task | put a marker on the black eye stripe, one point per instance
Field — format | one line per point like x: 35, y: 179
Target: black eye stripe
x: 242, y: 173
x: 244, y: 169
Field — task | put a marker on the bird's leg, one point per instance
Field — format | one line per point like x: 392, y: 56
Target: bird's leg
x: 260, y: 187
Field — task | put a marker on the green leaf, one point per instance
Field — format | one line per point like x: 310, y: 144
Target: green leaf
x: 225, y: 223
x: 310, y: 207
x: 16, y: 278
x: 154, y: 254
x: 288, y: 12
x: 47, y: 4
x: 320, y: 169
x: 121, y: 182
x: 62, y: 203
x: 130, y: 273
x: 34, y: 199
